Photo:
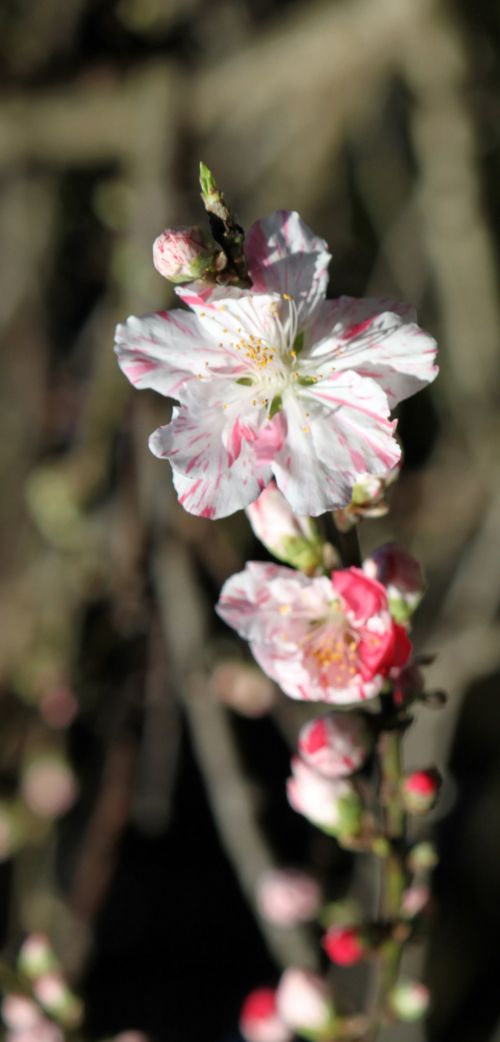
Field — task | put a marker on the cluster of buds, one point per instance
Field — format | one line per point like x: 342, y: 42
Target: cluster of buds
x: 46, y: 1008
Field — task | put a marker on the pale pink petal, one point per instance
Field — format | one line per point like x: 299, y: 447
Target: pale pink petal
x: 167, y: 349
x: 212, y: 450
x: 250, y: 601
x: 285, y: 256
x: 378, y: 339
x: 336, y: 430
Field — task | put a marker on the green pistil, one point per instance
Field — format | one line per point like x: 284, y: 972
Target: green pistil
x: 298, y: 343
x: 246, y: 381
x: 276, y: 406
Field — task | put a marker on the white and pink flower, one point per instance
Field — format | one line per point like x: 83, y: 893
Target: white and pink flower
x: 337, y: 744
x: 304, y: 1001
x: 287, y: 896
x: 321, y: 639
x: 332, y: 804
x: 277, y: 381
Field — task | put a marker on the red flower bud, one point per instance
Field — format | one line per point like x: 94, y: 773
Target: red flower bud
x: 344, y: 945
x: 420, y: 790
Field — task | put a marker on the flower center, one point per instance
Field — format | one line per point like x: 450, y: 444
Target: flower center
x: 273, y: 366
x: 332, y: 650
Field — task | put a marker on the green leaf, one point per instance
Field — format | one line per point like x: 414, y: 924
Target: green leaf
x: 207, y: 180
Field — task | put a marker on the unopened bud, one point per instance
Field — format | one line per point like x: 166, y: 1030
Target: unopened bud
x: 345, y: 945
x: 185, y: 254
x: 331, y: 804
x: 415, y: 900
x: 286, y: 896
x: 423, y: 857
x: 19, y: 1013
x: 337, y: 744
x: 401, y: 574
x: 36, y: 956
x: 54, y: 995
x: 367, y: 500
x: 409, y: 1000
x: 304, y: 1003
x: 259, y: 1018
x: 295, y: 540
x: 420, y: 790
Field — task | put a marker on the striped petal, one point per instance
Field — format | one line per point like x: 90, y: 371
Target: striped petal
x: 285, y: 256
x: 337, y: 429
x: 166, y: 350
x: 378, y: 339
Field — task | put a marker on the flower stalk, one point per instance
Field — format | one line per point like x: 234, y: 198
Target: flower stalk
x: 284, y: 402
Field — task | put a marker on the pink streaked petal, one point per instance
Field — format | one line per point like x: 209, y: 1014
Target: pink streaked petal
x: 357, y: 437
x: 378, y: 339
x: 250, y: 601
x: 166, y: 350
x: 243, y: 324
x: 302, y: 685
x: 337, y: 430
x: 310, y: 486
x: 211, y: 479
x: 285, y: 256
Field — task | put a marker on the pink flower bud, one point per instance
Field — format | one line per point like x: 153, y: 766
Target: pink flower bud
x: 402, y: 576
x: 48, y: 785
x: 337, y: 744
x: 344, y: 945
x: 420, y: 790
x: 185, y: 254
x: 286, y: 896
x: 415, y: 900
x: 19, y: 1013
x: 243, y: 687
x: 304, y: 1002
x: 293, y: 539
x: 260, y: 1020
x: 409, y: 1000
x: 53, y: 993
x: 36, y: 956
x: 331, y: 804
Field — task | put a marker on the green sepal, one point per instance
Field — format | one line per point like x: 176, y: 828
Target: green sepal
x: 302, y: 553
